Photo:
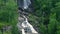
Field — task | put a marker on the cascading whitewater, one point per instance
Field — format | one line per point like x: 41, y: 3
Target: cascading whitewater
x: 23, y: 24
x: 26, y: 3
x: 23, y: 4
x: 26, y: 27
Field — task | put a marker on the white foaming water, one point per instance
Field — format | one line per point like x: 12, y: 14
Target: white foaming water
x: 25, y: 24
x: 26, y: 3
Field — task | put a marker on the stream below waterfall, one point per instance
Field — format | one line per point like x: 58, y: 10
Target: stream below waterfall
x: 23, y: 24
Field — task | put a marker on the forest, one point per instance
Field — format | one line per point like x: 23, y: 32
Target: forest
x: 45, y: 17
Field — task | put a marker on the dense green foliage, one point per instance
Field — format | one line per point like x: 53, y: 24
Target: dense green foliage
x: 8, y: 14
x: 46, y: 15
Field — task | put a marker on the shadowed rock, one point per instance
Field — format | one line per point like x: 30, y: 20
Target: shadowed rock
x: 6, y: 28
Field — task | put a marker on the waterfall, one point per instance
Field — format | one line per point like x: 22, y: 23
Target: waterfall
x: 26, y: 3
x: 23, y: 4
x: 23, y: 24
x: 26, y: 27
